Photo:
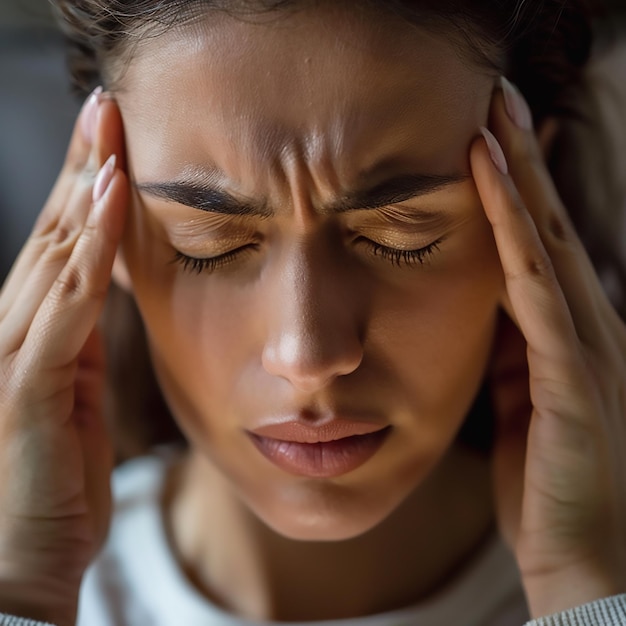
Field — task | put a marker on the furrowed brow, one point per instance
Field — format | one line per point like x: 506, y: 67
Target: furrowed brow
x: 212, y: 199
x: 394, y: 191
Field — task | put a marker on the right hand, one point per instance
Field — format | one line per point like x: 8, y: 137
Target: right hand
x: 55, y: 453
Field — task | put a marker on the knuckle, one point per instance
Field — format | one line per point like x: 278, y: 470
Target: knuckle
x: 61, y: 235
x: 60, y: 240
x: 534, y: 265
x: 69, y: 284
x: 561, y: 232
x: 46, y: 222
x: 558, y: 229
x: 74, y: 284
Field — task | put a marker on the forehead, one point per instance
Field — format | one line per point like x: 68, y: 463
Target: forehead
x: 322, y: 83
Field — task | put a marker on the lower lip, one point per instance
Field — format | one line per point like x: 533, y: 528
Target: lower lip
x: 321, y: 460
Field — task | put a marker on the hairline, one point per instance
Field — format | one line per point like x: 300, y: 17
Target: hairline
x: 474, y: 48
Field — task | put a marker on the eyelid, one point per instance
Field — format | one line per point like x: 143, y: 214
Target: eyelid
x: 405, y: 214
x: 400, y: 235
x: 193, y: 224
x: 210, y: 235
x: 203, y: 223
x: 204, y: 249
x: 401, y: 217
x: 395, y: 239
x: 180, y: 216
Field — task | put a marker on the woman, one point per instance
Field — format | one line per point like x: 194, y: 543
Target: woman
x: 332, y: 256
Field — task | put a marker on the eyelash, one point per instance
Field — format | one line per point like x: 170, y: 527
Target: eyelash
x: 195, y: 265
x: 398, y: 258
x: 407, y: 258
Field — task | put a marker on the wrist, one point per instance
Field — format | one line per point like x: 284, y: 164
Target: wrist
x: 54, y: 602
x: 556, y: 592
x: 41, y: 608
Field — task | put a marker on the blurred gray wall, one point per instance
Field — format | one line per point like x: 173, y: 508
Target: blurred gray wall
x: 36, y: 117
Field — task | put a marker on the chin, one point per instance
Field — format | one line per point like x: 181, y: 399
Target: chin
x: 325, y: 512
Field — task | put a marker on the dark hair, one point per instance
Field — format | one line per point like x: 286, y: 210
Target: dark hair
x: 541, y: 45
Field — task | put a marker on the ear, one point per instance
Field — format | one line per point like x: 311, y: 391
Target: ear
x: 121, y: 277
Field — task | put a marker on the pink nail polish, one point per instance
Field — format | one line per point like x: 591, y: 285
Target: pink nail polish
x: 496, y: 152
x: 104, y: 178
x: 89, y: 115
x: 516, y: 105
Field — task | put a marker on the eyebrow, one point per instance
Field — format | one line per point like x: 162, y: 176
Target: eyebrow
x: 206, y: 197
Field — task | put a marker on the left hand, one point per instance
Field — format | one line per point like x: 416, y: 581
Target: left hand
x: 559, y: 462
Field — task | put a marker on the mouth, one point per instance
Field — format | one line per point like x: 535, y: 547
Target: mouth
x: 327, y: 451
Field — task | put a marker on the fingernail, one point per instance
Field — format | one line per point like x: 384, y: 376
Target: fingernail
x: 516, y: 105
x: 89, y: 115
x: 104, y: 178
x: 495, y: 150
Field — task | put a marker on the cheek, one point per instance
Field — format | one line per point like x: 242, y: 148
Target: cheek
x: 195, y: 328
x: 435, y: 336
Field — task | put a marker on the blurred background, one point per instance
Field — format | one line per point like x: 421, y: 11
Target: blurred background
x: 37, y: 111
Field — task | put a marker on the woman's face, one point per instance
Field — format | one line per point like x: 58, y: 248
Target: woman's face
x: 315, y: 166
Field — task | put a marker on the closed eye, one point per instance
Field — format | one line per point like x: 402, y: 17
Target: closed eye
x: 395, y: 256
x: 399, y: 257
x: 196, y: 265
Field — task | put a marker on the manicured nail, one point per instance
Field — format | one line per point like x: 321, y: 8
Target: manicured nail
x: 104, y: 178
x: 495, y: 150
x: 89, y: 115
x: 516, y: 105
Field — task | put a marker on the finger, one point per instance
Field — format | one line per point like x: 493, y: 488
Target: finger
x: 574, y: 270
x: 69, y: 312
x: 76, y: 158
x: 99, y: 122
x: 45, y: 254
x: 525, y: 157
x: 101, y: 136
x: 42, y: 260
x: 535, y: 294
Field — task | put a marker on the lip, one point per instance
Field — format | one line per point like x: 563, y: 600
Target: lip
x: 326, y: 451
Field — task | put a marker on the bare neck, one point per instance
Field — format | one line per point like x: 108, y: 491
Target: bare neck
x: 246, y: 568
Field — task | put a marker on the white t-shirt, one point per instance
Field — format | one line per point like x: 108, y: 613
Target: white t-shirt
x: 136, y: 580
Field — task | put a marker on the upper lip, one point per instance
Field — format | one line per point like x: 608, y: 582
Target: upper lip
x: 331, y: 430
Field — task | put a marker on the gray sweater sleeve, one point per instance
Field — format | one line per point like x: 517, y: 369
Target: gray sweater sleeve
x: 607, y: 612
x: 10, y: 620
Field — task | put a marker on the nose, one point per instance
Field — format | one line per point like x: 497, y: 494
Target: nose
x: 315, y: 320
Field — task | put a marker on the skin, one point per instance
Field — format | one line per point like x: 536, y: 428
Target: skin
x: 334, y: 329
x: 557, y: 370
